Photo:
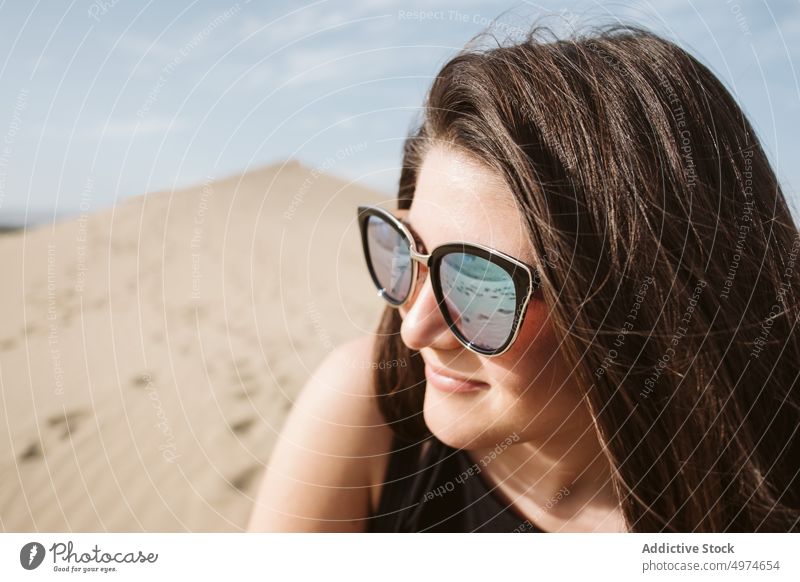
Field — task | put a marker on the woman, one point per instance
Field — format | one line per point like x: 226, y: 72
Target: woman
x: 610, y: 345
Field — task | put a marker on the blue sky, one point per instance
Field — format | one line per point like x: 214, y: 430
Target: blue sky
x: 104, y: 99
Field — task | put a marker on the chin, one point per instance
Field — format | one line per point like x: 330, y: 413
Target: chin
x: 462, y: 426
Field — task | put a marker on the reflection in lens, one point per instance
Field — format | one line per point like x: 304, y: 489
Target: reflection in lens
x: 391, y: 258
x: 480, y: 297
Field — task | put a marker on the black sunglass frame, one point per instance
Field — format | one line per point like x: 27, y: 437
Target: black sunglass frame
x: 526, y: 278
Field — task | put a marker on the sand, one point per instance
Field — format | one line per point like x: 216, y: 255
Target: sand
x: 149, y: 353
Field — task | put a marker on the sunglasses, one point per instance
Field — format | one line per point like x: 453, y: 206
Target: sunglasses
x: 481, y: 292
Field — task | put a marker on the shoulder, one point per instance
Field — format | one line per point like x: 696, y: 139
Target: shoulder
x: 342, y: 388
x: 334, y: 445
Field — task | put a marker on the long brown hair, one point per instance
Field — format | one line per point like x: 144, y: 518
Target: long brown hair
x: 675, y: 292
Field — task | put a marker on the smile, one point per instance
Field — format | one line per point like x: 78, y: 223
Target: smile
x: 441, y: 381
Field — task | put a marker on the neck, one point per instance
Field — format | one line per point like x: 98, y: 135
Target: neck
x: 562, y: 484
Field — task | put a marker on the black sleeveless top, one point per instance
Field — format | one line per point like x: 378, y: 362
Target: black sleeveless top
x: 440, y: 491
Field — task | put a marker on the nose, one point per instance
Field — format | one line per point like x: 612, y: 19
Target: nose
x: 423, y: 324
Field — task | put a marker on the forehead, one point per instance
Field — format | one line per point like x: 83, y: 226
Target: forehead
x: 457, y: 198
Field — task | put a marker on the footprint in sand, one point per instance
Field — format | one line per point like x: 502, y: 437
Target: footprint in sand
x: 31, y: 453
x: 7, y: 344
x: 243, y: 480
x: 67, y: 423
x: 243, y: 426
x: 142, y: 380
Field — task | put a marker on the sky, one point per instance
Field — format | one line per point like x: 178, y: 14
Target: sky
x: 105, y: 99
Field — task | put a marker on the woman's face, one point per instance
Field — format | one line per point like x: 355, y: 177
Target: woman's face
x: 528, y: 389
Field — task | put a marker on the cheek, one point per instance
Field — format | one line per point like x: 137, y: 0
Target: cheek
x: 533, y: 369
x: 534, y: 346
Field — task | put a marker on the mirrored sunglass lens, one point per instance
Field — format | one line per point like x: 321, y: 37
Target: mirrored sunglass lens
x: 480, y: 297
x: 391, y: 259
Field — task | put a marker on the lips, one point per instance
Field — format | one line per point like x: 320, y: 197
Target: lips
x: 447, y: 382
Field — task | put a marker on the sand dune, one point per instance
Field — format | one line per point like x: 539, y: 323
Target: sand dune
x: 149, y: 353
